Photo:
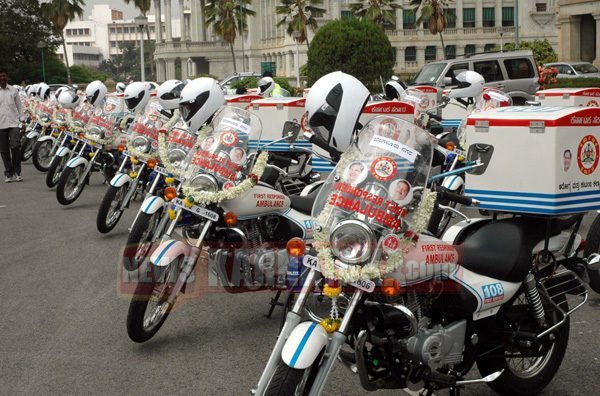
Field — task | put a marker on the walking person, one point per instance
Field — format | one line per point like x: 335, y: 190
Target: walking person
x: 11, y: 112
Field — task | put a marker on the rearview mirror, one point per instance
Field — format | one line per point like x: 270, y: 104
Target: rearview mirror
x: 481, y: 154
x: 291, y: 130
x: 447, y: 81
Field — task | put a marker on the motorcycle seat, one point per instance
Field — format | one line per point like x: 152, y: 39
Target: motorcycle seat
x: 502, y: 249
x: 304, y: 204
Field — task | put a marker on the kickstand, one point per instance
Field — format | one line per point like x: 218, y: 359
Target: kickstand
x: 274, y: 302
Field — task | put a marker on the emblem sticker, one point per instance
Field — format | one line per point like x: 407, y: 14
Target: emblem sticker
x: 108, y: 133
x: 587, y: 154
x: 391, y: 243
x: 229, y: 139
x: 492, y: 293
x: 592, y: 103
x: 154, y: 144
x: 424, y: 102
x: 227, y: 185
x: 384, y: 169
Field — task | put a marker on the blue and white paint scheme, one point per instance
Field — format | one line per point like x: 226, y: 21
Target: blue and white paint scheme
x: 120, y: 179
x: 152, y: 204
x: 62, y: 151
x: 75, y: 162
x: 33, y: 134
x: 304, y: 345
x: 453, y: 183
x: 47, y: 137
x: 168, y: 252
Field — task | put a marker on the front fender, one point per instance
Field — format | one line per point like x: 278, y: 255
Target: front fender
x: 75, y: 162
x: 33, y: 134
x: 120, y: 179
x: 63, y: 151
x: 304, y: 345
x: 47, y: 137
x: 453, y: 183
x: 168, y: 252
x: 152, y: 204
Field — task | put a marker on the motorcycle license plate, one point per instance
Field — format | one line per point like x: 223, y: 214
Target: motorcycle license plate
x: 197, y: 210
x: 312, y: 262
x: 460, y: 152
x: 89, y: 142
x: 127, y: 153
x: 161, y: 170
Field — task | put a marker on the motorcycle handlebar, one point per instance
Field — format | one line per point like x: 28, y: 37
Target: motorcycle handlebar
x: 434, y: 116
x: 322, y: 143
x: 283, y: 160
x: 445, y: 194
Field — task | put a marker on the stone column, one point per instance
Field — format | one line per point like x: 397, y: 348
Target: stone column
x: 157, y: 22
x: 194, y: 21
x: 459, y: 14
x: 168, y: 18
x: 399, y: 19
x: 420, y: 56
x: 597, y: 60
x: 184, y: 69
x: 574, y: 53
x: 498, y: 21
x: 160, y: 70
x: 170, y: 69
x: 400, y: 61
x: 202, y: 19
x: 184, y: 30
x: 479, y: 14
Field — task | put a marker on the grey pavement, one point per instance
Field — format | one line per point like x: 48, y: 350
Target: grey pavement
x: 62, y: 326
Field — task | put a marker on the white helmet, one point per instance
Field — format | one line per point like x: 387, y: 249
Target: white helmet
x: 68, y: 99
x: 470, y: 85
x: 394, y: 89
x: 333, y: 106
x: 31, y: 90
x: 137, y: 96
x: 43, y: 91
x: 169, y: 93
x: 153, y: 86
x: 200, y: 99
x: 120, y: 87
x: 59, y: 91
x: 266, y: 85
x: 95, y: 93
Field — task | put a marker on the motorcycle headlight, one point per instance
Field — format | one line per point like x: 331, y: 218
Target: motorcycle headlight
x: 141, y: 144
x: 352, y: 241
x: 205, y: 183
x: 95, y: 133
x: 176, y: 157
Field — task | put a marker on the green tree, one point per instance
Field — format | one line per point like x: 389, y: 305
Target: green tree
x: 299, y: 15
x: 432, y: 12
x: 127, y: 65
x: 83, y: 74
x: 60, y: 12
x: 357, y: 47
x: 542, y: 50
x: 229, y: 18
x: 144, y: 7
x: 380, y: 12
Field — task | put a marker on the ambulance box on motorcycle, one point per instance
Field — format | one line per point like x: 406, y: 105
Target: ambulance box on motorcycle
x: 586, y: 97
x: 241, y: 101
x: 544, y: 160
x: 274, y: 112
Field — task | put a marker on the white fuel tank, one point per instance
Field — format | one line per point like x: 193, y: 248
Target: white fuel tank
x: 259, y: 201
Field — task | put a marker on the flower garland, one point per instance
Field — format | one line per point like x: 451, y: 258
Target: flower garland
x: 372, y: 270
x: 193, y: 195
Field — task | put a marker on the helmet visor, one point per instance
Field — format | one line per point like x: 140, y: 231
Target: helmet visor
x: 190, y: 108
x: 132, y: 103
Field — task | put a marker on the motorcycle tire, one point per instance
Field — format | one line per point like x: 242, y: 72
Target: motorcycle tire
x: 286, y: 380
x: 41, y: 155
x: 57, y: 166
x: 526, y: 383
x: 27, y: 148
x: 63, y: 195
x: 593, y: 246
x: 138, y: 328
x: 139, y: 245
x: 109, y: 213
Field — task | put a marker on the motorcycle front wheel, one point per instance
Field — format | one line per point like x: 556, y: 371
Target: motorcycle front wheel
x: 139, y: 242
x: 149, y: 308
x: 290, y: 381
x: 69, y: 187
x: 27, y: 148
x: 109, y: 212
x: 55, y: 170
x: 42, y: 155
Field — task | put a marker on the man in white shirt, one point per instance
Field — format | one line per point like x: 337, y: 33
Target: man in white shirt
x: 11, y: 112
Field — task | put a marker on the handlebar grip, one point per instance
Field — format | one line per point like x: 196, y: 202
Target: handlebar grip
x: 283, y: 160
x: 320, y: 142
x: 444, y: 193
x: 434, y: 116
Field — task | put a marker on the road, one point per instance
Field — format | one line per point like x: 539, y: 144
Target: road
x: 63, y: 317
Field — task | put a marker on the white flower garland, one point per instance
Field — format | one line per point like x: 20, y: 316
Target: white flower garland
x: 233, y: 192
x: 373, y: 270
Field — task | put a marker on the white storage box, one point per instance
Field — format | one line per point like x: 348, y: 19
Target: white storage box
x: 273, y: 113
x: 403, y: 110
x: 586, y: 97
x: 544, y: 161
x: 241, y: 101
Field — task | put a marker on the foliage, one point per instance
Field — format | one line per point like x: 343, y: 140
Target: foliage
x: 354, y: 46
x: 142, y: 5
x: 380, y: 12
x: 432, y: 12
x: 83, y: 74
x: 547, y: 76
x: 299, y: 14
x: 577, y: 83
x: 542, y: 50
x: 228, y: 18
x: 252, y: 82
x: 31, y: 72
x: 21, y: 29
x: 126, y: 66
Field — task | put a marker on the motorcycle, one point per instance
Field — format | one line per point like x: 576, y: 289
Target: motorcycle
x: 46, y: 147
x: 41, y: 121
x: 101, y: 133
x: 416, y: 311
x: 237, y: 214
x: 138, y: 159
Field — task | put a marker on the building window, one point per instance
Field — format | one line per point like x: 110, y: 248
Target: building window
x: 508, y: 16
x: 112, y: 30
x: 489, y: 47
x: 430, y: 53
x: 451, y: 18
x: 469, y: 17
x: 489, y: 17
x: 469, y: 49
x: 450, y: 51
x: 541, y: 6
x: 346, y: 14
x: 113, y: 44
x: 410, y: 54
x: 119, y: 30
x: 409, y: 19
x: 490, y: 70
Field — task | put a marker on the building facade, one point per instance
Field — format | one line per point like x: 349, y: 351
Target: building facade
x: 473, y: 26
x: 578, y: 25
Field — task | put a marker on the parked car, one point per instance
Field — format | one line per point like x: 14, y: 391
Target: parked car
x: 575, y: 69
x: 227, y: 82
x: 513, y: 72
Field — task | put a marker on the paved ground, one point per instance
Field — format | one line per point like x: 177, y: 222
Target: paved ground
x: 63, y: 320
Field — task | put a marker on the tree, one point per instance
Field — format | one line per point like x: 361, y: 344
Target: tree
x: 127, y: 65
x: 299, y: 14
x: 432, y: 12
x: 354, y: 46
x: 380, y: 12
x: 144, y: 7
x: 60, y: 12
x: 542, y: 50
x: 228, y: 18
x: 83, y: 74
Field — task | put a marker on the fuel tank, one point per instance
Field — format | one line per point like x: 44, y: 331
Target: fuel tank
x: 259, y: 201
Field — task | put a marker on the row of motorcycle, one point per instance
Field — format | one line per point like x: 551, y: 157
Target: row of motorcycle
x: 349, y: 257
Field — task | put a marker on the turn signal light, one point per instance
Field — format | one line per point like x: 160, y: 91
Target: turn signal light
x: 81, y: 135
x: 151, y: 163
x: 230, y: 219
x: 390, y: 287
x: 170, y: 193
x: 295, y: 247
x: 450, y: 146
x: 486, y: 97
x: 120, y: 148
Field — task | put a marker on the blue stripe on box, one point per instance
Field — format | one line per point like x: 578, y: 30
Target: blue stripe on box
x: 531, y: 195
